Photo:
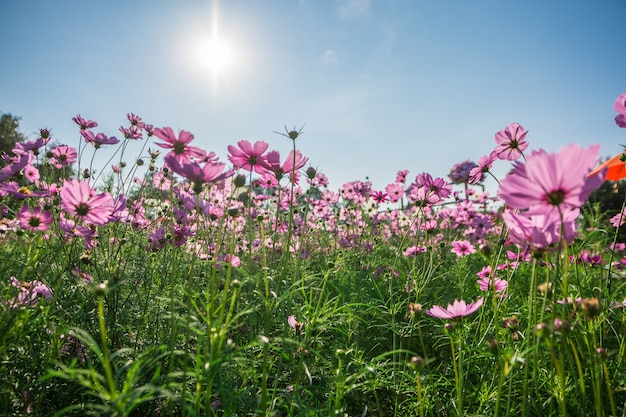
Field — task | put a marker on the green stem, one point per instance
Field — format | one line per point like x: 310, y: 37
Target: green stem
x: 105, y: 351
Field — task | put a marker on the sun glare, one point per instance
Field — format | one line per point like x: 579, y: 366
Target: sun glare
x: 214, y: 54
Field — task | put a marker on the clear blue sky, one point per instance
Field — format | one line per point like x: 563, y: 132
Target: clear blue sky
x: 382, y: 85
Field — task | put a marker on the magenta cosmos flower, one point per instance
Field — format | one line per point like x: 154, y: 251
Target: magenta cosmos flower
x: 477, y: 174
x: 548, y: 181
x: 247, y: 156
x: 99, y: 139
x: 620, y: 107
x: 80, y: 200
x: 462, y: 248
x: 272, y: 163
x: 34, y: 219
x: 62, y: 155
x: 456, y: 310
x: 84, y: 124
x: 198, y: 174
x: 179, y: 145
x: 487, y: 283
x: 540, y: 232
x: 15, y: 167
x: 510, y: 142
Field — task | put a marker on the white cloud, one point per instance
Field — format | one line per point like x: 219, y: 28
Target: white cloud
x: 350, y: 9
x: 329, y: 57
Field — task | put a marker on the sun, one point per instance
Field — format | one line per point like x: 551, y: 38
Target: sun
x: 214, y: 54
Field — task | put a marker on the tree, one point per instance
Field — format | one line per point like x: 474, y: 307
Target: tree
x: 9, y: 134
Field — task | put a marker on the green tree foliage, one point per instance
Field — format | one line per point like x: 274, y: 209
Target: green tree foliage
x: 9, y: 134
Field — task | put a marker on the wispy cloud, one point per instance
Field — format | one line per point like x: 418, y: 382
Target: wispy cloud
x: 351, y: 9
x: 329, y: 57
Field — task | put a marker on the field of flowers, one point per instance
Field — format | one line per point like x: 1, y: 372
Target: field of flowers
x: 174, y: 284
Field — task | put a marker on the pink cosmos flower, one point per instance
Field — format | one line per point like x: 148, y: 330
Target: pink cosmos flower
x: 272, y: 163
x: 132, y: 133
x: 620, y: 107
x: 31, y: 173
x: 62, y: 156
x: 135, y: 121
x: 34, y: 219
x: 425, y: 190
x: 456, y: 310
x: 510, y: 142
x: 395, y: 192
x: 84, y: 124
x: 98, y: 139
x: 161, y: 180
x: 401, y: 176
x: 548, y: 181
x: 294, y: 324
x: 15, y: 167
x: 80, y: 200
x: 32, y: 145
x: 14, y: 189
x: 477, y: 174
x: 540, y: 231
x: 486, y: 284
x: 196, y: 173
x: 30, y: 293
x: 249, y: 157
x: 380, y: 197
x: 179, y: 146
x: 414, y: 250
x: 462, y: 248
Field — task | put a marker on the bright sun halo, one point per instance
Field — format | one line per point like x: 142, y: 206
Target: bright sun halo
x: 214, y: 54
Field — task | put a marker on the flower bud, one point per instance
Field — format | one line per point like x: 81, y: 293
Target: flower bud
x: 311, y: 173
x: 417, y: 363
x: 493, y: 346
x: 101, y: 289
x: 542, y: 330
x: 562, y: 326
x: 240, y: 180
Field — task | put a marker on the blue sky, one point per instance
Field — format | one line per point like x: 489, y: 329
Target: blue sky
x: 380, y: 85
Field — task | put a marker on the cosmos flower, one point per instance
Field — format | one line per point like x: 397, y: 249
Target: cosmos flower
x: 510, y: 142
x: 272, y: 163
x: 394, y: 191
x: 196, y: 173
x: 487, y: 283
x: 32, y: 145
x: 551, y: 181
x: 135, y: 121
x: 34, y: 219
x: 380, y: 197
x: 456, y: 310
x: 477, y: 174
x: 462, y: 248
x: 620, y: 107
x: 294, y: 324
x: 62, y: 155
x: 401, y: 176
x: 427, y: 190
x: 80, y: 200
x: 249, y: 157
x: 179, y: 146
x: 84, y: 124
x: 540, y: 231
x: 15, y: 167
x: 30, y: 293
x: 99, y: 139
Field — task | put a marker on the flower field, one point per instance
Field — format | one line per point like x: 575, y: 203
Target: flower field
x: 173, y: 283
